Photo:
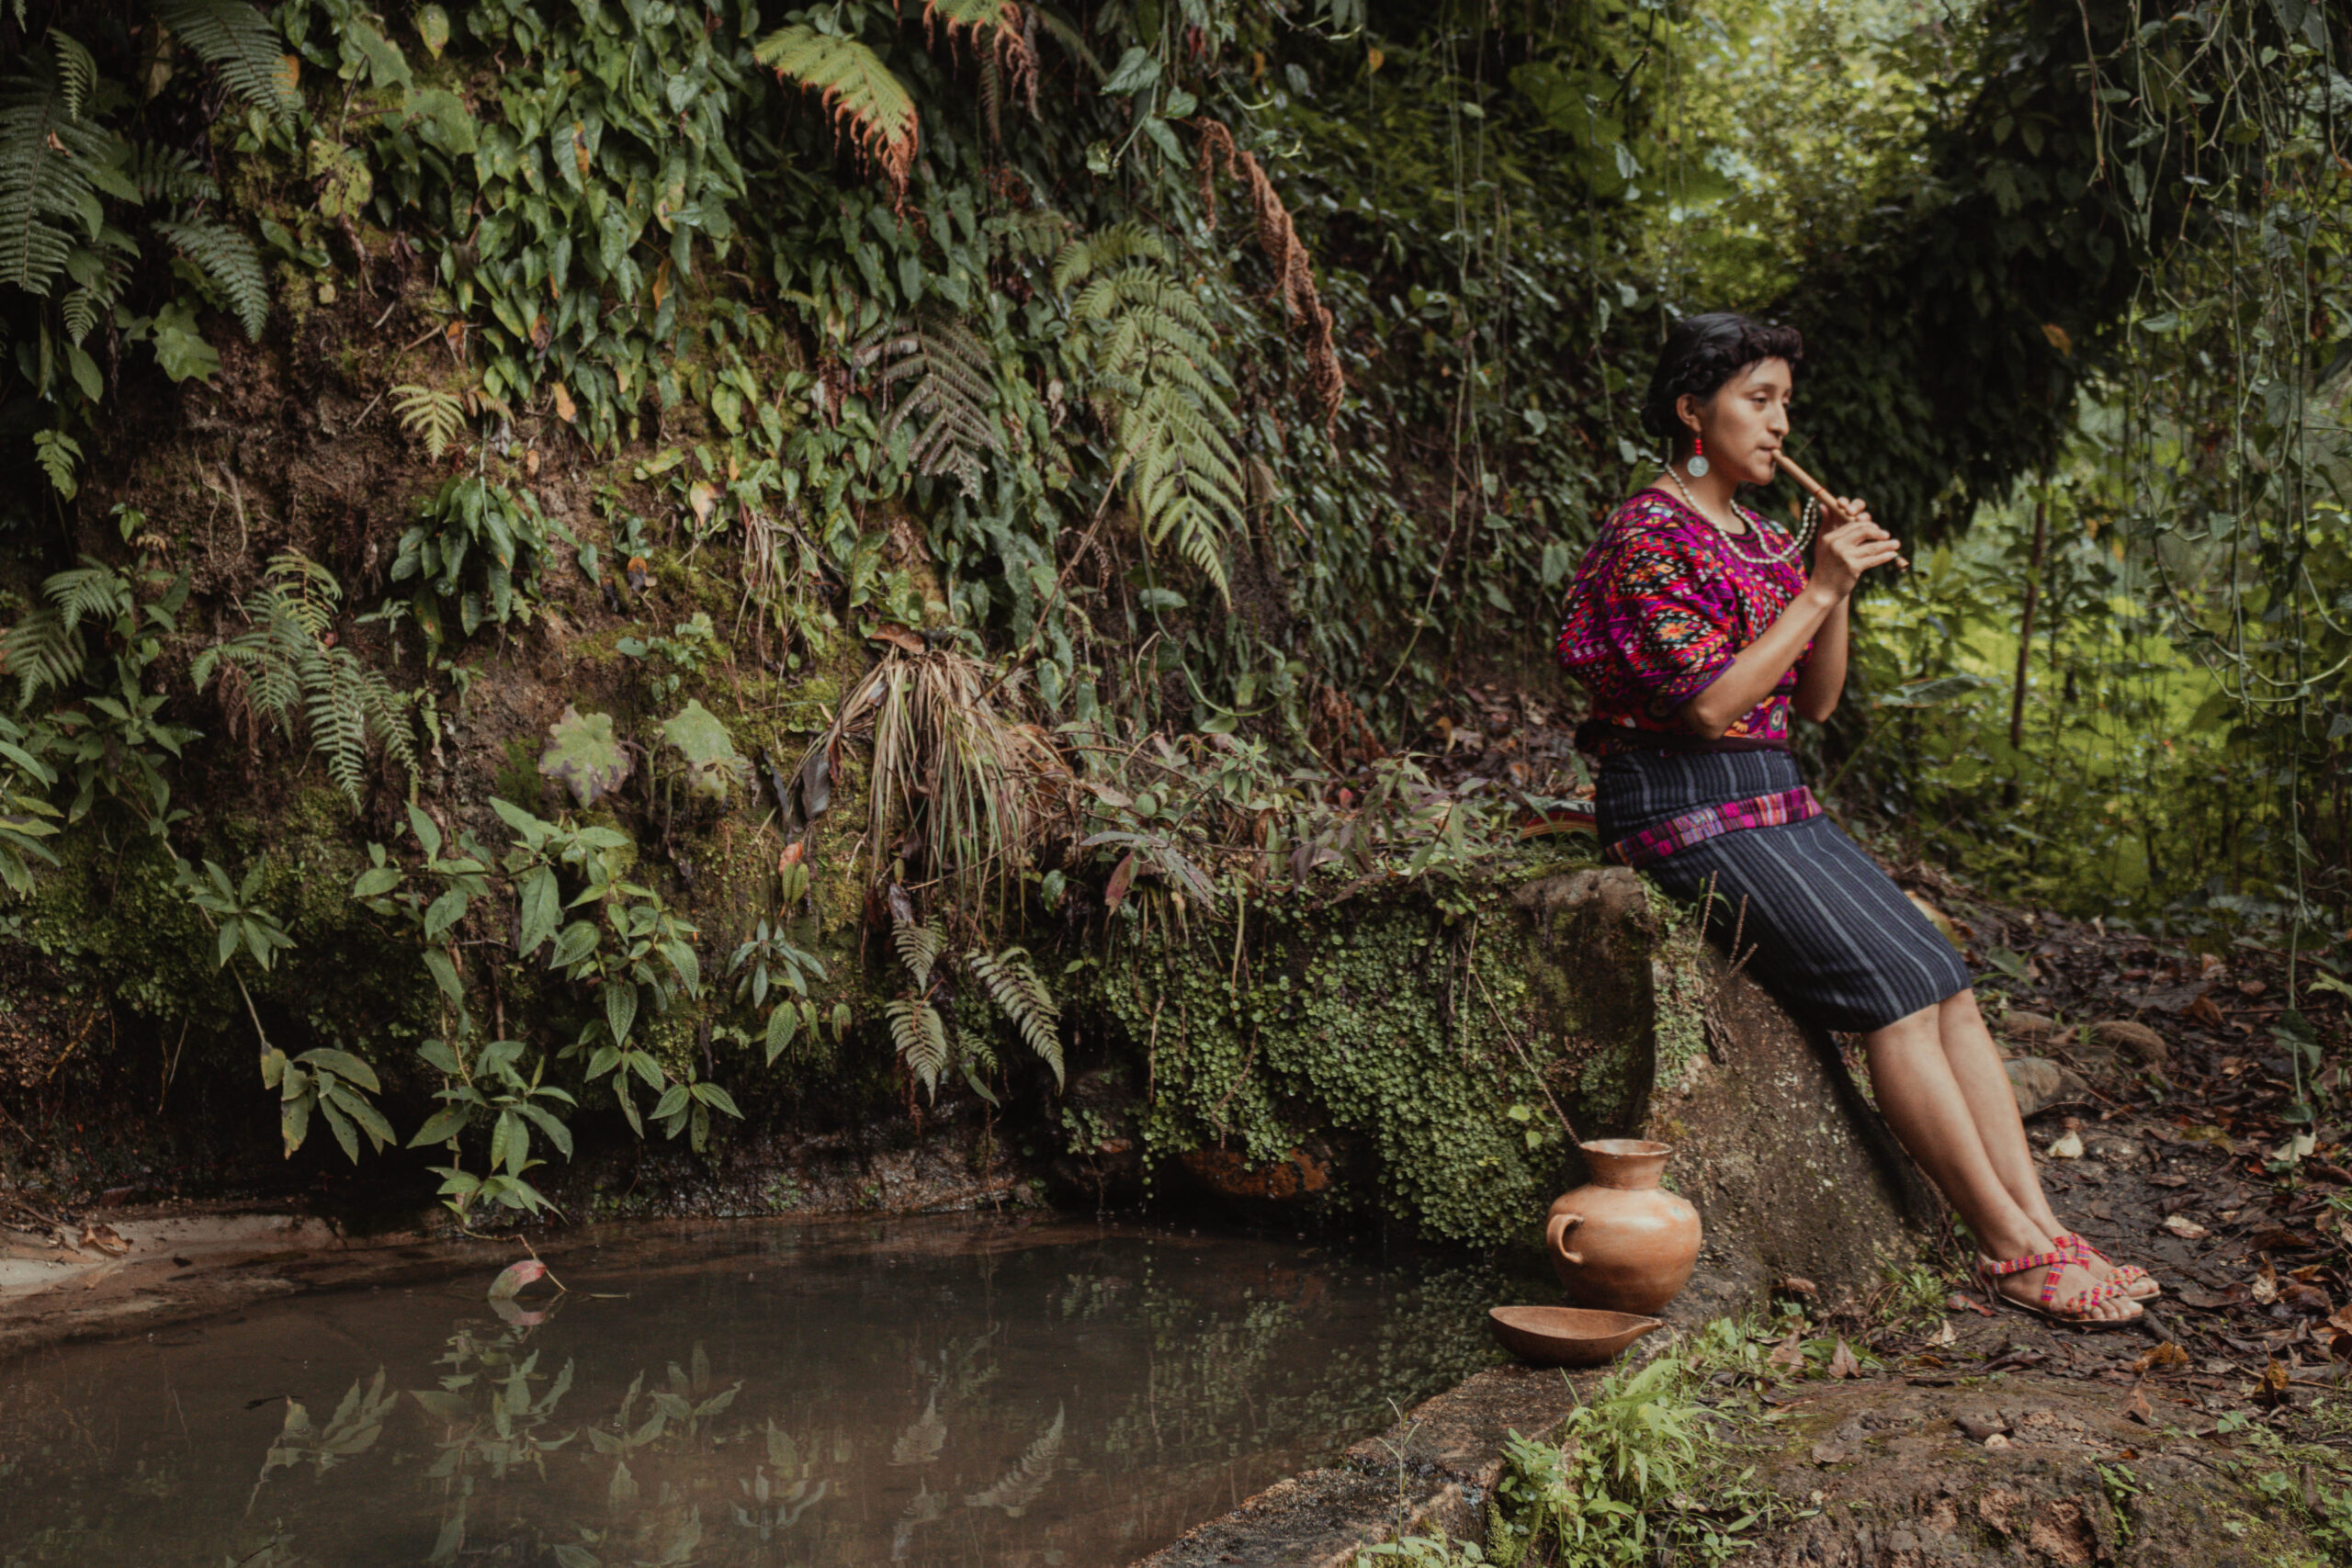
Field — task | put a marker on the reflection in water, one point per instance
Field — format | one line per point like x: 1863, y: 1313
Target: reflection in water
x: 941, y: 1393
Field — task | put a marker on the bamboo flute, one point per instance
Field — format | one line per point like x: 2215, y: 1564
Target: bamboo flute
x: 1820, y: 492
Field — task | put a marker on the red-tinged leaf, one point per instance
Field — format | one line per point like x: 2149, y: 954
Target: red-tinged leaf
x: 514, y: 1277
x: 1842, y: 1363
x: 1121, y: 879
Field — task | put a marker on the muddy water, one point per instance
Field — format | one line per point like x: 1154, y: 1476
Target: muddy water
x: 951, y: 1392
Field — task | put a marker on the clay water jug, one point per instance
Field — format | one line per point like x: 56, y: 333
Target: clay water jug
x: 1621, y: 1242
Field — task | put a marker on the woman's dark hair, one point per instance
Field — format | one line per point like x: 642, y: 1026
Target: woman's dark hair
x: 1702, y: 352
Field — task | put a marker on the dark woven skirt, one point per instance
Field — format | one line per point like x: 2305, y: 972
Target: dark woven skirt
x: 1834, y: 939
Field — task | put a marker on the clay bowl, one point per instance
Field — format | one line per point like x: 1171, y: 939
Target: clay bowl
x: 1565, y: 1336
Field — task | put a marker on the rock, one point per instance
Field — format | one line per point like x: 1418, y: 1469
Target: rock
x: 2136, y: 1041
x: 2040, y: 1083
x: 1231, y: 1175
x: 2120, y: 1152
x: 2028, y: 1025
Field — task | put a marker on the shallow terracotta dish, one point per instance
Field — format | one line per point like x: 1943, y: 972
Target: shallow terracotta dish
x: 1565, y: 1336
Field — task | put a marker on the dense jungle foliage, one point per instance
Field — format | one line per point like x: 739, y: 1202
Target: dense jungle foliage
x: 587, y: 566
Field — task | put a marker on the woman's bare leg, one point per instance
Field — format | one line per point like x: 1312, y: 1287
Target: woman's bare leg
x: 1977, y: 1067
x: 1924, y: 1104
x: 1975, y: 1064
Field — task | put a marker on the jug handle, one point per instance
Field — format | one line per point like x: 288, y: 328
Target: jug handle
x: 1552, y: 1231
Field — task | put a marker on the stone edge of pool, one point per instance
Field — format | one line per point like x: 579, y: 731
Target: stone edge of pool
x: 1431, y: 1470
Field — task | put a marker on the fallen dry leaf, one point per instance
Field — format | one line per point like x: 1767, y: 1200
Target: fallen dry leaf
x: 106, y: 1238
x: 2068, y: 1147
x: 1944, y: 1335
x: 2305, y: 1301
x: 2272, y: 1388
x: 1790, y: 1352
x: 1842, y: 1363
x: 2183, y: 1227
x: 2163, y: 1357
x: 1996, y: 1442
x: 2265, y: 1289
x: 2167, y: 1180
x: 2203, y: 1010
x: 1796, y: 1285
x: 514, y: 1277
x: 2138, y: 1410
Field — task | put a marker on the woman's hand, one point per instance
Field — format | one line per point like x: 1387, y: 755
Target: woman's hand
x: 1843, y: 553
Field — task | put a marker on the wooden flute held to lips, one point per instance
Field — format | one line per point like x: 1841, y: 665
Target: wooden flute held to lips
x: 1820, y: 492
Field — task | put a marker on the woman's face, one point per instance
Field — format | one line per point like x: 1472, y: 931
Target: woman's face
x: 1745, y: 421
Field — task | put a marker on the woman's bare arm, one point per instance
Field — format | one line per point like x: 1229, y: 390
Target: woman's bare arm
x: 1823, y: 681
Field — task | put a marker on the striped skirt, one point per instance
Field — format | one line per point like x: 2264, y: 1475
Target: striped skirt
x: 1833, y: 938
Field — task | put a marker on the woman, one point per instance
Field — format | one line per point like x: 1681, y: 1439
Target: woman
x: 1698, y: 630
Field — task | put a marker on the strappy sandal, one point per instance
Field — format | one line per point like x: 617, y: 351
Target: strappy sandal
x: 2075, y: 1310
x: 2131, y: 1276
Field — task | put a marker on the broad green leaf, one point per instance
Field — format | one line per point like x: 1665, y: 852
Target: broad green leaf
x: 584, y: 756
x: 709, y: 760
x: 441, y: 1126
x: 345, y: 1065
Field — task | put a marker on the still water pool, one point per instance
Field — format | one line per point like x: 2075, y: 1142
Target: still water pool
x: 958, y: 1391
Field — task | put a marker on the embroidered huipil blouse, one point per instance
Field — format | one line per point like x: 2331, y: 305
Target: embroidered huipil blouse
x: 1660, y: 606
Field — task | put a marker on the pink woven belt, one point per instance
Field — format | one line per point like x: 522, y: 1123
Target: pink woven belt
x: 1654, y: 844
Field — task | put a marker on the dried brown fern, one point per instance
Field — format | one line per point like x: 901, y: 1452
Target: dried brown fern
x: 1279, y: 239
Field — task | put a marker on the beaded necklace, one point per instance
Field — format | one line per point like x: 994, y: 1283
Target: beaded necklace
x: 1774, y: 555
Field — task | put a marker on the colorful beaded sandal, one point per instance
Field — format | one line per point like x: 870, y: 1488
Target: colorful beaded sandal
x: 2075, y: 1310
x: 2137, y: 1282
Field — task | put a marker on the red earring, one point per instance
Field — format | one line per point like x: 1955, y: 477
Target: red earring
x: 1697, y: 464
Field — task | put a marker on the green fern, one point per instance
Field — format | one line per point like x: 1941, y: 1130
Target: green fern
x: 226, y: 256
x: 237, y: 41
x: 1158, y: 383
x: 1013, y: 983
x: 431, y: 413
x: 954, y: 386
x: 169, y: 173
x: 57, y: 453
x: 918, y: 950
x: 53, y: 166
x: 856, y: 87
x: 1083, y: 255
x: 291, y: 671
x: 921, y: 1036
x: 42, y: 653
x: 44, y: 649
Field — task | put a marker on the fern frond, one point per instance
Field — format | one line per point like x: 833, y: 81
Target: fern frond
x: 1083, y: 253
x: 429, y: 412
x: 347, y: 707
x: 226, y: 256
x: 237, y: 41
x: 1158, y: 383
x: 921, y: 1036
x: 1013, y: 984
x: 53, y: 165
x: 169, y: 173
x: 77, y: 73
x: 918, y: 950
x: 43, y: 653
x: 856, y: 87
x: 80, y: 309
x: 90, y: 591
x: 953, y: 380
